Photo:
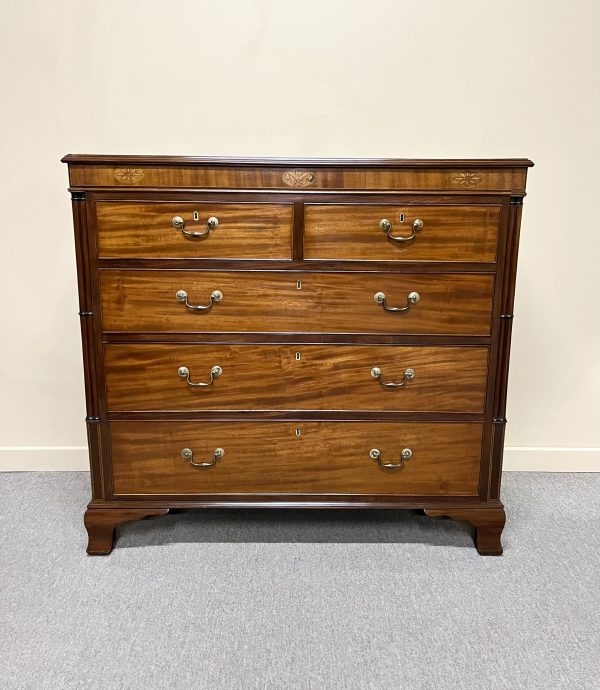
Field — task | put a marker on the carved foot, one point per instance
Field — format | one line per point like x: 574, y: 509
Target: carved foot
x: 488, y: 524
x: 101, y: 524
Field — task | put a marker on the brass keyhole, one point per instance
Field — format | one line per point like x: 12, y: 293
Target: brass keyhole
x: 196, y: 215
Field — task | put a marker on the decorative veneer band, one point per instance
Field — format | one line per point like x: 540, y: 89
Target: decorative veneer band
x: 268, y: 177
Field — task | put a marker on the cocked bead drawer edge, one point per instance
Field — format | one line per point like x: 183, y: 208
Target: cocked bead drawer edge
x: 298, y: 183
x: 278, y: 457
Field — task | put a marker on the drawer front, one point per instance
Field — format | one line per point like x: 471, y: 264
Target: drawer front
x: 309, y: 302
x: 296, y: 377
x: 148, y: 230
x: 439, y: 233
x: 270, y: 457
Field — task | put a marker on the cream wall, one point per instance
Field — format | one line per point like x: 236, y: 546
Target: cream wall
x: 408, y: 79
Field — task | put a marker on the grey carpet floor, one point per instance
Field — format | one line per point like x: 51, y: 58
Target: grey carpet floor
x: 323, y: 600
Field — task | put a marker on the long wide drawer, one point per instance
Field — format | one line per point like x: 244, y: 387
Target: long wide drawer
x: 279, y: 457
x: 384, y: 232
x: 152, y: 377
x: 215, y: 230
x: 263, y: 301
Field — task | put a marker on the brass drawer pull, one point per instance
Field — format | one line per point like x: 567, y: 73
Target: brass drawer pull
x: 406, y: 454
x: 386, y: 226
x: 211, y: 224
x: 188, y: 454
x: 184, y: 373
x: 215, y: 296
x: 409, y: 375
x: 412, y: 298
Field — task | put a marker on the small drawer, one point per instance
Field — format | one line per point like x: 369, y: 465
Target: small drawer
x: 383, y: 232
x: 207, y: 230
x: 188, y: 301
x: 281, y: 457
x: 149, y: 377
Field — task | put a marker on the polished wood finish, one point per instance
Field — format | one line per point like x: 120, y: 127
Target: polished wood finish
x: 270, y: 457
x: 145, y: 230
x: 295, y: 377
x: 487, y: 523
x: 353, y: 179
x: 137, y: 301
x: 297, y: 432
x: 449, y: 233
x: 90, y: 347
x: 415, y: 164
x: 101, y: 525
x: 178, y: 173
x: 504, y: 339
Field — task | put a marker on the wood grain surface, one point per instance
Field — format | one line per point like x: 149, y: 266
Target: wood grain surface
x: 124, y: 160
x: 271, y: 377
x: 327, y: 457
x: 449, y: 232
x: 468, y: 177
x: 263, y: 301
x: 145, y: 230
x: 298, y: 255
x: 101, y: 525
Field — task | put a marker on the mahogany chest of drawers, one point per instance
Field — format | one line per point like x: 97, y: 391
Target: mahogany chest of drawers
x: 295, y: 333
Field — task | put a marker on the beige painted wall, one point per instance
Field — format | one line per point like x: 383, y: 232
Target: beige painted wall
x: 468, y: 78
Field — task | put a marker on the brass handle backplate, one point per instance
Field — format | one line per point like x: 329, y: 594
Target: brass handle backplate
x: 211, y: 224
x: 412, y: 298
x: 215, y: 296
x: 386, y: 226
x: 406, y: 454
x: 188, y: 454
x: 184, y: 373
x: 409, y: 375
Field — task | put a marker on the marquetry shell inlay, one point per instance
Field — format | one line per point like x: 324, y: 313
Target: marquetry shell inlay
x: 467, y: 179
x: 298, y: 178
x: 128, y: 175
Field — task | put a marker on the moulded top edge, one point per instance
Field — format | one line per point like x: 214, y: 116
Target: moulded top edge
x: 91, y: 159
